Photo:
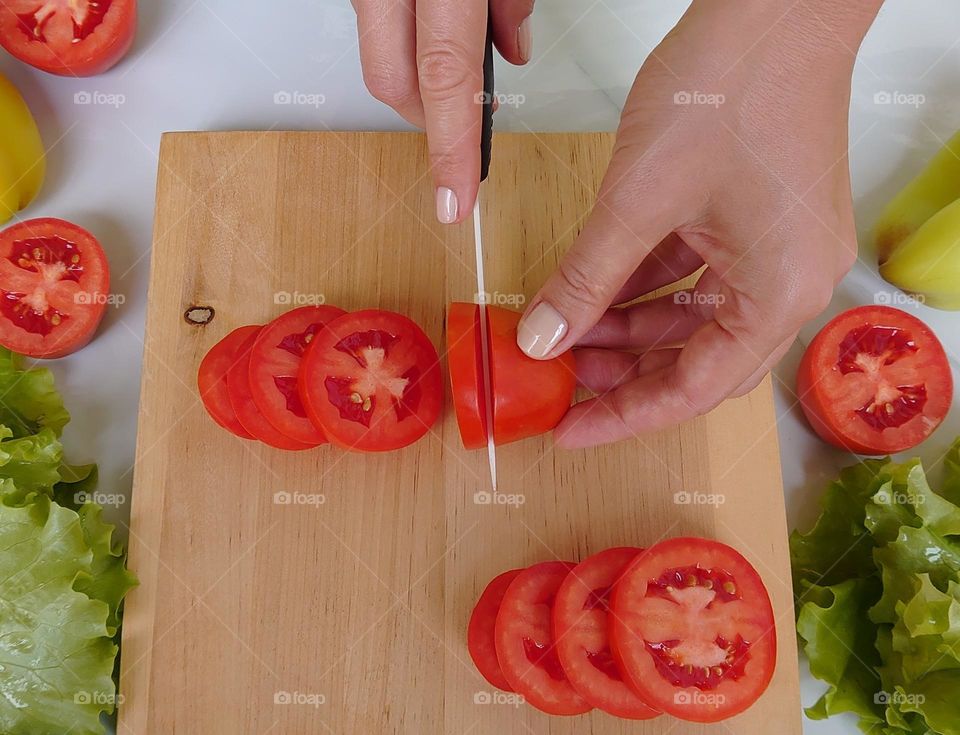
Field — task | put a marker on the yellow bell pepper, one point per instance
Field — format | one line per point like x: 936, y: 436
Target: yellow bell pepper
x: 23, y: 161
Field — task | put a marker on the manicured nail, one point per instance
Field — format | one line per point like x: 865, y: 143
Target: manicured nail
x: 525, y: 40
x: 447, y: 205
x: 541, y: 330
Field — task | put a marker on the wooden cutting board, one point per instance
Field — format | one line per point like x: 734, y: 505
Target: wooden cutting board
x: 356, y: 608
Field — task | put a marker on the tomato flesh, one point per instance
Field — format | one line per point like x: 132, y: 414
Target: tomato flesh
x: 54, y: 280
x: 580, y: 626
x: 481, y: 641
x: 212, y: 379
x: 875, y: 380
x: 693, y: 630
x: 466, y: 373
x: 371, y: 381
x: 68, y: 37
x: 275, y: 362
x: 524, y: 640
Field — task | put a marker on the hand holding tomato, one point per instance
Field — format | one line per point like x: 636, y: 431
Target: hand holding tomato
x: 731, y: 153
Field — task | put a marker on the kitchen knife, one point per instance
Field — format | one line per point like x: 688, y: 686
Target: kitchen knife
x: 486, y: 147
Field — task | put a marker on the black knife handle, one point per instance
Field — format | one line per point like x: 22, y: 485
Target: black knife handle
x: 486, y: 131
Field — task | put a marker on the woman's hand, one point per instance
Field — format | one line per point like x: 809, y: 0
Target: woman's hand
x: 732, y: 152
x: 424, y: 58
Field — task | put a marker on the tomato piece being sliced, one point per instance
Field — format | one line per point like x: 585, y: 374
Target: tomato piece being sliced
x: 580, y: 628
x: 875, y: 380
x: 54, y: 287
x: 480, y: 631
x: 525, y: 645
x: 212, y: 379
x: 275, y: 364
x: 529, y: 396
x: 241, y: 399
x: 693, y: 631
x: 75, y: 38
x: 371, y: 380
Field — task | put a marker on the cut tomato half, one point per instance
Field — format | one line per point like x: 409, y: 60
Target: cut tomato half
x: 371, y: 380
x: 275, y: 364
x: 580, y: 628
x: 693, y: 631
x: 525, y: 645
x: 75, y: 38
x: 212, y: 379
x: 54, y: 287
x: 875, y: 380
x: 241, y: 399
x: 529, y: 396
x: 480, y: 631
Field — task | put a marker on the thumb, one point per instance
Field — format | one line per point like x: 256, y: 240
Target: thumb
x: 593, y: 270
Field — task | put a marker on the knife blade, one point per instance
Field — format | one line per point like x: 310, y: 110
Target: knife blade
x: 486, y: 149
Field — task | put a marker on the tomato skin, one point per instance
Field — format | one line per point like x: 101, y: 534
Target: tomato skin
x: 580, y: 628
x: 529, y: 396
x: 212, y: 379
x: 102, y: 49
x: 830, y: 399
x: 481, y: 640
x: 365, y: 356
x: 276, y: 355
x: 523, y: 630
x: 644, y: 619
x: 81, y: 300
x: 241, y: 398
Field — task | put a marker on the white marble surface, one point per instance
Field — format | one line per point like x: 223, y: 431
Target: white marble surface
x: 217, y: 64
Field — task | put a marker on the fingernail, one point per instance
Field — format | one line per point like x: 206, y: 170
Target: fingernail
x: 525, y: 40
x: 540, y: 331
x: 446, y: 205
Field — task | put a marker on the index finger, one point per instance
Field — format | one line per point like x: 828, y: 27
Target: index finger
x: 451, y: 39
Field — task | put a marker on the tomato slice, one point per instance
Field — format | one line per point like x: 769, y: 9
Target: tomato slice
x: 75, y: 38
x: 241, y: 399
x: 371, y: 380
x: 580, y: 624
x: 525, y: 645
x: 54, y: 287
x: 212, y: 379
x: 875, y: 380
x: 275, y: 363
x: 529, y: 396
x: 693, y: 630
x: 480, y: 631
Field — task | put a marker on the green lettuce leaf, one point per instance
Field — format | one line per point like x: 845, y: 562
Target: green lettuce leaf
x: 31, y: 462
x: 29, y: 401
x: 109, y: 579
x: 950, y: 485
x: 55, y: 648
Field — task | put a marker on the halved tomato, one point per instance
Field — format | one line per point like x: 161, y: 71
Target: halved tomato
x: 580, y: 628
x: 238, y: 388
x: 54, y: 287
x: 875, y: 380
x: 525, y: 645
x: 73, y: 38
x: 212, y: 379
x: 371, y: 380
x: 693, y: 631
x: 275, y: 363
x: 480, y: 630
x: 529, y: 396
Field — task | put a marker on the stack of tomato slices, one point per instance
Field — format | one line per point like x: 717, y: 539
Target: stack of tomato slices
x: 684, y: 628
x: 367, y: 380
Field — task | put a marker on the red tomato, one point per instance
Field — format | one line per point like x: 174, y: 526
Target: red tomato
x: 529, y: 396
x: 241, y: 398
x: 212, y: 379
x: 371, y: 380
x: 693, y: 630
x: 54, y: 287
x: 73, y: 38
x: 580, y: 623
x: 525, y: 645
x: 274, y: 364
x: 480, y: 630
x: 875, y: 380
